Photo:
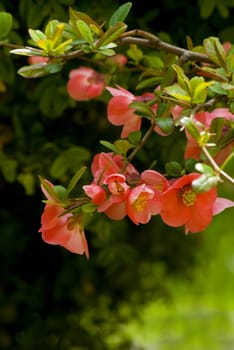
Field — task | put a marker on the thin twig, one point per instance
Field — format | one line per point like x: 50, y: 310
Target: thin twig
x: 216, y: 167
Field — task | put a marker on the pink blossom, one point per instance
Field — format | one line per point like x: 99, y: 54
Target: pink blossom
x: 181, y: 205
x: 37, y: 59
x: 105, y: 164
x: 58, y: 227
x: 192, y: 148
x: 85, y: 83
x: 119, y: 59
x: 119, y: 112
x: 142, y: 204
x: 112, y: 200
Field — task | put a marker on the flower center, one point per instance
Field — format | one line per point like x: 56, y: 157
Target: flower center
x: 116, y: 188
x: 140, y: 203
x: 188, y: 196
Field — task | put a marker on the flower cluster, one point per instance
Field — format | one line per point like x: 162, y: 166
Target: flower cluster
x: 119, y: 190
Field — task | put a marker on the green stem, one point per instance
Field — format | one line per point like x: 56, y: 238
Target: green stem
x: 216, y: 167
x: 142, y: 143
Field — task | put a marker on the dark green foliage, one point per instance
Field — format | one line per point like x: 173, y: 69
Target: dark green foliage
x: 50, y: 298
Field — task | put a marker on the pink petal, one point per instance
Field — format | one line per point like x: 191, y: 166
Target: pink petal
x: 77, y: 242
x: 120, y: 92
x: 220, y: 204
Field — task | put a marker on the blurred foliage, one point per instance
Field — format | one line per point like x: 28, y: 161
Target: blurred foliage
x: 136, y: 276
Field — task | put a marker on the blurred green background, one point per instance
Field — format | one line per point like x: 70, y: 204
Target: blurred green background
x: 144, y: 288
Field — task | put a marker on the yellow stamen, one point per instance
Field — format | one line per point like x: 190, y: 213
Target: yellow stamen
x: 188, y: 196
x: 140, y: 203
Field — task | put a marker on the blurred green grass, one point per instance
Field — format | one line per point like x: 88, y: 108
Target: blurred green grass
x: 200, y: 312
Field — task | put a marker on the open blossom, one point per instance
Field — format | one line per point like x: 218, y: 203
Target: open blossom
x: 142, y: 204
x: 192, y: 148
x: 144, y: 200
x: 119, y: 112
x: 85, y: 83
x: 58, y: 227
x: 112, y: 199
x: 109, y: 188
x: 181, y: 205
x: 105, y: 164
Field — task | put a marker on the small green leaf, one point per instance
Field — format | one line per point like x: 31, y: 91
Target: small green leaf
x: 177, y: 92
x: 108, y: 145
x: 36, y: 35
x: 39, y: 69
x: 153, y: 81
x: 182, y: 79
x: 5, y: 24
x: 204, y: 183
x: 61, y: 192
x: 122, y: 146
x: 28, y: 51
x: 142, y: 109
x: 215, y: 51
x: 112, y: 34
x: 120, y: 14
x: 204, y: 169
x: 166, y: 124
x: 89, y: 208
x: 191, y: 126
x: 85, y: 31
x: 135, y: 137
x: 200, y: 92
x: 75, y: 179
x: 173, y: 168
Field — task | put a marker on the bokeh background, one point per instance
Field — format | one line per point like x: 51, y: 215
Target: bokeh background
x: 146, y: 287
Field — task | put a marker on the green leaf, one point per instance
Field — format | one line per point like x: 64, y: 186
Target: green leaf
x: 61, y: 192
x: 135, y: 137
x: 122, y: 146
x: 85, y: 31
x: 135, y: 53
x: 120, y: 14
x: 28, y: 51
x: 142, y: 109
x: 204, y: 183
x: 89, y: 208
x: 75, y: 179
x: 173, y: 168
x: 215, y: 51
x: 204, y: 169
x: 191, y: 126
x: 153, y: 81
x: 108, y: 145
x: 5, y: 24
x: 182, y: 79
x: 36, y: 35
x: 77, y: 15
x: 177, y: 92
x: 112, y: 34
x: 40, y: 69
x: 200, y: 92
x: 166, y: 124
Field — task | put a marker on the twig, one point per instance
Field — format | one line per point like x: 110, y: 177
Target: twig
x: 216, y: 167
